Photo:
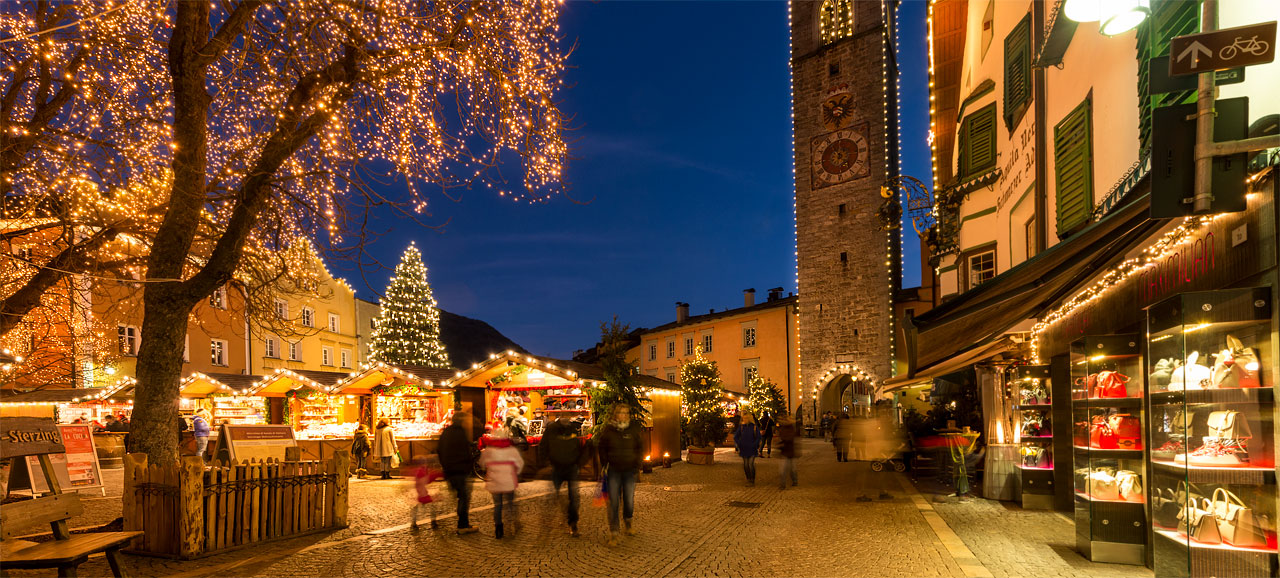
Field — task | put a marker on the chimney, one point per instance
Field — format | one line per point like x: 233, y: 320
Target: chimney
x: 682, y: 312
x: 748, y: 297
x: 775, y: 293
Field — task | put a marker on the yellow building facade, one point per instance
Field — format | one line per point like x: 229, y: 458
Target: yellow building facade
x: 309, y: 330
x: 755, y: 339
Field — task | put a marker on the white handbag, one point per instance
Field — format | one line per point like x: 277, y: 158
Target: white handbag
x: 1236, y: 523
x: 1129, y: 484
x: 1102, y: 486
x: 1190, y: 375
x: 1198, y: 521
x: 1229, y: 424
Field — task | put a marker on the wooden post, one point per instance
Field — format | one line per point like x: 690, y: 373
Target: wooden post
x: 287, y: 527
x: 191, y: 506
x: 315, y: 497
x: 277, y: 501
x: 342, y: 461
x: 255, y: 497
x: 130, y: 505
x: 210, y: 508
x: 173, y: 524
x: 246, y: 499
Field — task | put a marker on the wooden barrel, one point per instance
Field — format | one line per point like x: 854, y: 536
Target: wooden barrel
x: 110, y: 446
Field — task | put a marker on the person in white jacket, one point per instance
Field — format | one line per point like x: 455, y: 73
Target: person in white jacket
x: 384, y: 447
x: 502, y: 466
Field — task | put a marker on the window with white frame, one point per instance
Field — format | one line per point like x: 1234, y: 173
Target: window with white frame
x: 128, y: 339
x: 308, y: 317
x: 749, y: 336
x: 671, y: 348
x: 749, y: 372
x: 295, y: 351
x: 706, y: 343
x: 671, y: 377
x: 218, y: 352
x: 326, y: 356
x: 334, y: 323
x: 688, y: 345
x: 272, y: 348
x: 653, y: 351
x: 218, y: 299
x: 345, y: 357
x: 282, y: 309
x: 981, y: 267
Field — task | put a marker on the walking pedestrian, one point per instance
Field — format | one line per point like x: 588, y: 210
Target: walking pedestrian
x: 747, y: 440
x: 422, y: 478
x: 384, y: 446
x: 562, y: 447
x: 840, y: 436
x: 454, y: 453
x: 789, y: 450
x: 360, y: 451
x: 502, y: 465
x: 826, y: 425
x: 618, y: 445
x: 200, y: 429
x: 767, y: 425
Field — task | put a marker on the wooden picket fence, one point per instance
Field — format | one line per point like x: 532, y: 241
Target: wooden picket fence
x: 190, y: 509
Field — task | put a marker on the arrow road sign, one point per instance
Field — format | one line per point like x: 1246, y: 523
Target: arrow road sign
x: 1226, y: 48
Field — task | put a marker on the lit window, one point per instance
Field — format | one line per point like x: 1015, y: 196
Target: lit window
x: 218, y: 300
x: 749, y: 373
x: 333, y: 322
x: 748, y: 336
x: 326, y: 356
x: 272, y: 349
x: 218, y: 349
x: 981, y: 267
x: 345, y: 357
x: 308, y: 317
x: 836, y: 20
x: 282, y: 309
x: 128, y: 339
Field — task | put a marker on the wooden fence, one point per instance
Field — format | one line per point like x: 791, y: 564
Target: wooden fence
x: 190, y: 509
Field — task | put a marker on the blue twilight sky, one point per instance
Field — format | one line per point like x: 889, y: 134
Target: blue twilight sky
x: 683, y: 139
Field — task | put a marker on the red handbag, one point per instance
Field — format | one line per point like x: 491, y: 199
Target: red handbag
x: 1127, y: 429
x: 1101, y: 435
x: 1110, y: 384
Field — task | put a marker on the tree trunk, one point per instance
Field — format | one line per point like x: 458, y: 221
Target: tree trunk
x: 154, y: 426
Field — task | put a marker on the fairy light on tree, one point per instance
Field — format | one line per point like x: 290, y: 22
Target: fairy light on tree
x: 267, y: 123
x: 763, y: 395
x: 407, y: 329
x: 702, y: 387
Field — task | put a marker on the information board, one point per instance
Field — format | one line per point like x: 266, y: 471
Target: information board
x: 254, y: 442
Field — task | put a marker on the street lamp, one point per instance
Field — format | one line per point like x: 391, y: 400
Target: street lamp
x: 1116, y: 16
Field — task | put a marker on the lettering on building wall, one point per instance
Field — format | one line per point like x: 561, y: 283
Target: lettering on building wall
x: 1182, y: 267
x: 1018, y: 165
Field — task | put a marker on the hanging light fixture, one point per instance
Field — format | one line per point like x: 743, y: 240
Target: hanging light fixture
x: 1086, y: 10
x: 1127, y: 15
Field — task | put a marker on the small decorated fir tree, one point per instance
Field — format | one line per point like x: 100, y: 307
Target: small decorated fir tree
x: 407, y: 330
x: 702, y: 390
x: 619, y: 375
x: 764, y: 396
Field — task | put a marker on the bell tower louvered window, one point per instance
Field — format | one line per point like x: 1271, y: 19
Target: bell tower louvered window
x: 836, y: 20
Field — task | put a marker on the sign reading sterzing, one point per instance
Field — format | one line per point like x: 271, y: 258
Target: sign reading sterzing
x: 1226, y: 48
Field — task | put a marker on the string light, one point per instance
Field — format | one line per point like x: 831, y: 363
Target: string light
x: 407, y: 329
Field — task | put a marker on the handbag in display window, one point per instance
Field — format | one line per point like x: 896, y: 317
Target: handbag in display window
x: 1033, y: 457
x: 1110, y: 384
x: 1162, y: 373
x: 1101, y: 436
x: 1080, y: 434
x: 1033, y: 427
x: 1103, y: 486
x: 1229, y: 424
x: 1175, y: 445
x: 1190, y: 375
x: 1246, y: 362
x: 1082, y: 478
x: 1196, y: 520
x: 1129, y: 484
x: 1236, y: 523
x: 1217, y: 452
x: 1164, y: 508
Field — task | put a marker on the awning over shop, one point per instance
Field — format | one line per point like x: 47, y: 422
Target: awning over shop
x: 371, y: 375
x: 584, y: 373
x: 957, y: 362
x: 981, y: 315
x: 282, y: 381
x: 200, y: 385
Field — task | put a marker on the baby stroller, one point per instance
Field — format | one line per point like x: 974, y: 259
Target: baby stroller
x: 892, y: 458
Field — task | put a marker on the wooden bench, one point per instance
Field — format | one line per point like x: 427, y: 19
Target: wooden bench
x: 25, y: 436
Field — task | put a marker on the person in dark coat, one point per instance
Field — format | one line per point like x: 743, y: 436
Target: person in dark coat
x: 766, y: 435
x: 454, y: 453
x: 619, y: 447
x: 789, y: 451
x: 360, y: 450
x: 747, y: 440
x: 562, y: 447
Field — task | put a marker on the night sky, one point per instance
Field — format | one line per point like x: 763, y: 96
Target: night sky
x: 682, y: 144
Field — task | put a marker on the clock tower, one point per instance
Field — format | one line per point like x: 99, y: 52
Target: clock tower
x: 843, y: 69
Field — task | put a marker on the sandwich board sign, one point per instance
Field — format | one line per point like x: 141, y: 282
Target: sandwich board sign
x: 254, y: 442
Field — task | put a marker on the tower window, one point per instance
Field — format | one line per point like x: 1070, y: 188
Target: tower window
x: 842, y: 209
x: 836, y: 20
x: 833, y: 69
x: 844, y: 257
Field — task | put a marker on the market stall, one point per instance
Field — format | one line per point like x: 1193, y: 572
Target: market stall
x: 416, y: 409
x: 89, y: 406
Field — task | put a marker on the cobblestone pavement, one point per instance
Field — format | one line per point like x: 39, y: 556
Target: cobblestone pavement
x: 691, y: 521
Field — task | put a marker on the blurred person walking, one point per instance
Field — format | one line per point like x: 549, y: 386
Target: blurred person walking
x: 789, y: 450
x: 454, y: 453
x: 200, y: 428
x: 360, y: 450
x: 562, y: 447
x: 619, y: 449
x: 423, y: 475
x: 767, y: 427
x: 502, y: 465
x: 842, y: 431
x: 384, y: 446
x: 747, y: 440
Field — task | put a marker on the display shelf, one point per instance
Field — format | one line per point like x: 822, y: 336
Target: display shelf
x: 566, y: 410
x: 1036, y: 437
x: 1035, y: 432
x: 1087, y: 497
x: 1096, y: 453
x: 565, y: 395
x: 1034, y: 406
x: 1116, y: 402
x: 1048, y: 468
x: 1182, y: 540
x: 1214, y: 396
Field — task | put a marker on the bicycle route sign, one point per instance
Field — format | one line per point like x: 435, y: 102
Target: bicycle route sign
x: 1220, y: 49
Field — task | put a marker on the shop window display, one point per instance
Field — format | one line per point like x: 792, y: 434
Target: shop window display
x: 415, y: 412
x: 1212, y: 403
x: 1107, y: 437
x: 1035, y: 436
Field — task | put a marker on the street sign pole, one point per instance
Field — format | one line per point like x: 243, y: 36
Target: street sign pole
x: 1206, y: 148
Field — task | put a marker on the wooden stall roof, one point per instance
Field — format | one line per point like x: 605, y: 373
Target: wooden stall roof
x: 370, y: 375
x: 48, y: 396
x: 587, y: 374
x: 280, y: 382
x: 201, y: 385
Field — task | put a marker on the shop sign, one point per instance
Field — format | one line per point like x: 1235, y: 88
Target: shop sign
x: 255, y: 442
x: 1219, y: 49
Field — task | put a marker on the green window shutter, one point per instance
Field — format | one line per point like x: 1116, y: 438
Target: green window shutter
x: 978, y: 145
x: 1073, y: 168
x: 1017, y: 72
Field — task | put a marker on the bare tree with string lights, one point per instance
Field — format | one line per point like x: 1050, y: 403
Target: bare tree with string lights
x: 266, y: 123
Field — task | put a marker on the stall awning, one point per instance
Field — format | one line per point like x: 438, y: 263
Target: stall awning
x: 199, y: 385
x: 282, y: 381
x: 983, y: 314
x: 956, y: 363
x: 584, y: 373
x: 371, y: 375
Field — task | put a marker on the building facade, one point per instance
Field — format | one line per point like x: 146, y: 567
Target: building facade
x: 755, y: 339
x: 310, y: 329
x: 841, y: 66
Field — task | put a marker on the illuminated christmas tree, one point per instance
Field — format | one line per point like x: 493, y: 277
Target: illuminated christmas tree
x: 764, y: 396
x: 704, y: 418
x: 407, y: 330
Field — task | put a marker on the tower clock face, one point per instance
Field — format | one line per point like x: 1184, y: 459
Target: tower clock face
x: 839, y: 156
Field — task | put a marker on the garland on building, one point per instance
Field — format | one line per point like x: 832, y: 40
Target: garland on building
x: 764, y: 396
x: 401, y: 389
x: 507, y: 375
x: 407, y: 330
x: 704, y: 418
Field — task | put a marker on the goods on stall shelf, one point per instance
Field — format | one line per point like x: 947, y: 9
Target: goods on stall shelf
x: 318, y: 431
x: 237, y: 409
x: 409, y: 408
x: 323, y: 416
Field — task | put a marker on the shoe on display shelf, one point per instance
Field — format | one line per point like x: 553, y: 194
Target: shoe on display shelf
x: 1168, y: 451
x: 1216, y: 452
